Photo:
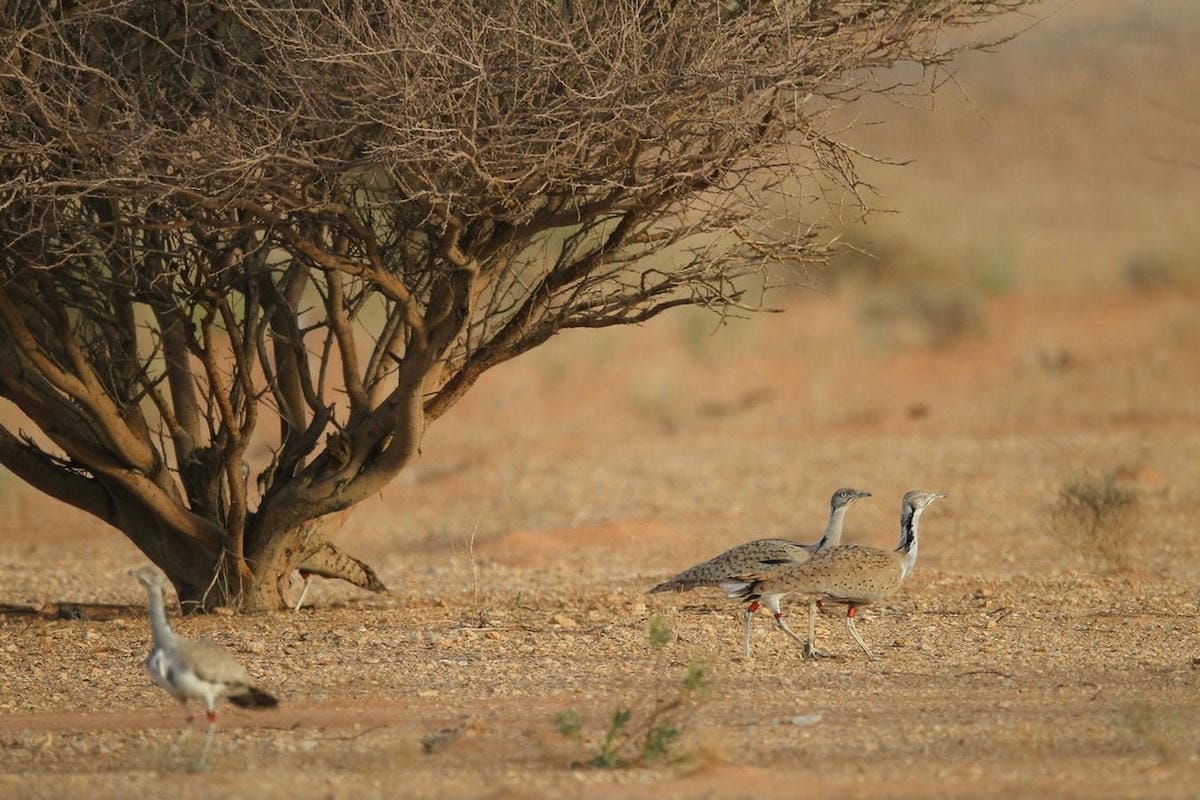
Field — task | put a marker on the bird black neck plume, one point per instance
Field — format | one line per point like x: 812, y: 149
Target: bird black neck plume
x: 908, y: 529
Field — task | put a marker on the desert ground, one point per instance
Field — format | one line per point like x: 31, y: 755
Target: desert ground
x: 1026, y: 332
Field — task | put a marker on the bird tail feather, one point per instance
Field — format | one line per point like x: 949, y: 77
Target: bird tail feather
x: 741, y: 589
x: 253, y: 697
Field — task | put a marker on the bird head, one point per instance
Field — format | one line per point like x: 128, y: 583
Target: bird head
x: 918, y: 499
x: 149, y: 576
x: 845, y: 496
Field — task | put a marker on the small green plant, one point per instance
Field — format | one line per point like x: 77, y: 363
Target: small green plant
x: 569, y: 723
x: 658, y: 740
x: 658, y: 631
x: 613, y: 738
x: 633, y: 739
x: 1096, y: 512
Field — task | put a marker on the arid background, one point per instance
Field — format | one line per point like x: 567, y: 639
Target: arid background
x: 1024, y: 337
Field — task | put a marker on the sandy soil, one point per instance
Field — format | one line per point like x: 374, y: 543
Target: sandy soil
x: 1017, y: 661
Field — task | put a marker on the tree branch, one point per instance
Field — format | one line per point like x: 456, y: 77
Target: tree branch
x: 102, y: 412
x: 53, y: 477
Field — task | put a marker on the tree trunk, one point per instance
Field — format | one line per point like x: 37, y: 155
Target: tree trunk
x: 262, y: 582
x: 304, y: 547
x: 189, y: 563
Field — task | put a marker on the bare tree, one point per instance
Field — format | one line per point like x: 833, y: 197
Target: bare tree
x: 306, y: 229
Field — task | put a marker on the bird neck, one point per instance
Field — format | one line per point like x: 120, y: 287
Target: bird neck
x: 908, y: 539
x: 833, y: 529
x: 164, y: 637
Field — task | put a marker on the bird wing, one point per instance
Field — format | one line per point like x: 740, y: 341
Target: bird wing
x: 212, y: 662
x: 748, y: 557
x: 157, y: 668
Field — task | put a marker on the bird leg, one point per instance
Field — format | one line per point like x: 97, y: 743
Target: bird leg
x: 183, y: 734
x: 788, y: 630
x: 307, y: 578
x: 810, y: 647
x: 772, y: 602
x: 746, y: 617
x: 854, y: 632
x: 212, y: 727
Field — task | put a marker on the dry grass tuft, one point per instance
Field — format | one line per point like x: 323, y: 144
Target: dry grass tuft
x: 1096, y: 513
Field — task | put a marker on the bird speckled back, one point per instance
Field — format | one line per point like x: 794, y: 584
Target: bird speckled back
x: 754, y: 556
x: 848, y: 573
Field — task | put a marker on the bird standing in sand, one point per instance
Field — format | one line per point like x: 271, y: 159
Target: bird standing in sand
x: 194, y: 669
x: 763, y: 554
x: 852, y: 574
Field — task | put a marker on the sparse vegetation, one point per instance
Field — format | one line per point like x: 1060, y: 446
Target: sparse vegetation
x: 637, y: 740
x: 628, y: 740
x: 1095, y: 512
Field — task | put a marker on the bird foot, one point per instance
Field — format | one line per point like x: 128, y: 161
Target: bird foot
x: 811, y: 653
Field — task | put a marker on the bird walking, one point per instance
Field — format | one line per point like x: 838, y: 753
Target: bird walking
x: 194, y: 669
x: 762, y: 554
x: 852, y: 574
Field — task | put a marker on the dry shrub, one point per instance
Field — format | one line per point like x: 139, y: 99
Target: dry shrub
x: 925, y: 314
x: 1160, y: 271
x: 910, y: 296
x: 1096, y: 513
